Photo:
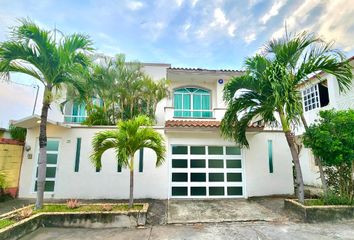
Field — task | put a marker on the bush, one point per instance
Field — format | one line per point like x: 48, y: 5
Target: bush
x: 331, y: 198
x: 18, y: 133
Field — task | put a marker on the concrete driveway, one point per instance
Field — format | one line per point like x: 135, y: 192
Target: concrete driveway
x: 225, y: 210
x: 206, y: 231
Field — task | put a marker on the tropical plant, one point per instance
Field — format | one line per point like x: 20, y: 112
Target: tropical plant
x: 18, y: 133
x: 55, y: 63
x: 123, y: 89
x: 331, y: 139
x: 268, y: 91
x: 130, y: 136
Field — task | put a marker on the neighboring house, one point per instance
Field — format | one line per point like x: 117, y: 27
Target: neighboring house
x: 199, y: 162
x: 321, y: 94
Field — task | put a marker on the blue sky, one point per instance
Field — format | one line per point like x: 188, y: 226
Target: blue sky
x: 213, y: 34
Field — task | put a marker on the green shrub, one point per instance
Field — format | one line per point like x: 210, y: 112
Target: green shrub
x: 18, y: 133
x: 334, y: 199
x: 3, y: 183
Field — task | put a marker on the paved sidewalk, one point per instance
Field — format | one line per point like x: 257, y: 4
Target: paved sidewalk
x: 211, y: 231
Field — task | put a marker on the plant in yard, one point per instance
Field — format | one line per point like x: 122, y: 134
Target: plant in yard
x: 331, y: 139
x: 72, y: 203
x: 18, y: 133
x: 130, y: 136
x: 55, y: 63
x: 3, y: 183
x: 24, y: 213
x: 107, y: 207
x: 268, y: 91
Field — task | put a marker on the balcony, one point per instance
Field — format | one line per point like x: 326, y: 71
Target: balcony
x: 215, y: 114
x: 74, y: 119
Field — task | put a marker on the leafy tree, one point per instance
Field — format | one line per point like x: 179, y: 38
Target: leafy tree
x: 130, y: 136
x: 332, y: 140
x: 35, y: 52
x: 268, y: 91
x: 17, y: 133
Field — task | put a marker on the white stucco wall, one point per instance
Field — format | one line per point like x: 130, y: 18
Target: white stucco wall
x: 87, y: 183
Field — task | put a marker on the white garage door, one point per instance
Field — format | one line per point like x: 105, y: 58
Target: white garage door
x: 206, y: 172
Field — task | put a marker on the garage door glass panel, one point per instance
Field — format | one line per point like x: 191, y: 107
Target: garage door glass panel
x: 179, y: 163
x: 233, y: 163
x: 216, y: 191
x: 215, y: 150
x: 197, y: 163
x: 234, y: 191
x: 198, y: 191
x: 179, y: 191
x: 216, y: 163
x: 179, y: 177
x: 234, y: 177
x: 179, y: 150
x: 198, y: 150
x: 216, y: 177
x: 233, y: 151
x: 198, y: 177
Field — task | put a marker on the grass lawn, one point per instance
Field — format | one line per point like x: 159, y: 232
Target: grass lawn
x: 86, y: 208
x: 6, y: 222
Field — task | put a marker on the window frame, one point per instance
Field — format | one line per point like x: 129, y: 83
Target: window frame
x: 192, y: 110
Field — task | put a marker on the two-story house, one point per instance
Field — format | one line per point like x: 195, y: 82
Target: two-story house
x: 200, y: 163
x: 321, y: 93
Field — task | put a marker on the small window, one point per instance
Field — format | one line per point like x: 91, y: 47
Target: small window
x: 233, y: 163
x: 315, y: 96
x: 234, y: 177
x: 216, y: 191
x: 234, y: 191
x: 270, y: 156
x: 216, y: 177
x: 198, y: 177
x: 179, y: 177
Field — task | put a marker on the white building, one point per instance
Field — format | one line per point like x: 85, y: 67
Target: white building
x: 321, y: 94
x: 199, y: 162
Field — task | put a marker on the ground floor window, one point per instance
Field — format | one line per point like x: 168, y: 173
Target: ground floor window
x: 52, y: 161
x: 206, y: 171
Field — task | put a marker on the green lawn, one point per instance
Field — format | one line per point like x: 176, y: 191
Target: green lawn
x: 6, y: 222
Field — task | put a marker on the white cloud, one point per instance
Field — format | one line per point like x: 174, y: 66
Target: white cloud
x: 194, y: 2
x: 273, y: 11
x: 334, y: 22
x: 219, y: 18
x: 231, y: 30
x: 250, y: 37
x: 135, y: 5
x: 179, y: 2
x: 251, y: 3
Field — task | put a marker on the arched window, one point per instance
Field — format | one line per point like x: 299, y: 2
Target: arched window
x: 192, y: 102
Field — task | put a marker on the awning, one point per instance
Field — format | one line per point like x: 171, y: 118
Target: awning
x: 34, y: 121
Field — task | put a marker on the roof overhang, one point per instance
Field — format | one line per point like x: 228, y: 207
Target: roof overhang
x: 34, y: 121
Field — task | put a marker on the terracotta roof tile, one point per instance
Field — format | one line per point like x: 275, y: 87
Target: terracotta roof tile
x: 203, y: 124
x: 204, y: 70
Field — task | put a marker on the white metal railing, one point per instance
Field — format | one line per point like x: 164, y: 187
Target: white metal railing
x: 216, y: 113
x: 189, y: 113
x: 74, y: 118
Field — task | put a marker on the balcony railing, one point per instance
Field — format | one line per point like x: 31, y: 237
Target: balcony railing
x: 193, y: 113
x: 74, y: 119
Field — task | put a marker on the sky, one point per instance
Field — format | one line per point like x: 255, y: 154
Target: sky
x: 213, y: 34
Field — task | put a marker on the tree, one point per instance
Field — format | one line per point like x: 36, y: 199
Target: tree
x: 35, y: 52
x: 130, y: 136
x: 268, y: 91
x: 332, y: 140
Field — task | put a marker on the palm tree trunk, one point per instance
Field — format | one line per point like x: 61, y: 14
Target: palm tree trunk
x: 298, y: 179
x: 42, y: 161
x: 131, y: 188
x: 317, y: 160
x: 290, y: 138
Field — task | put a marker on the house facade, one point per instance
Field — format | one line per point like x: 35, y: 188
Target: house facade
x: 200, y: 163
x: 321, y: 94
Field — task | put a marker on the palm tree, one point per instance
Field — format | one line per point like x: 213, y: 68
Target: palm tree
x: 35, y: 52
x: 268, y: 91
x: 130, y: 136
